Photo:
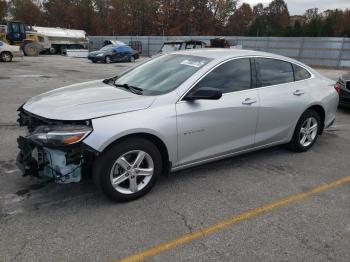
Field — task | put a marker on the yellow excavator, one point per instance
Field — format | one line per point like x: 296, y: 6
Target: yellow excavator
x: 20, y: 34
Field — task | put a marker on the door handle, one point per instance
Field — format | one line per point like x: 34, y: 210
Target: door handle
x: 298, y: 92
x: 249, y: 101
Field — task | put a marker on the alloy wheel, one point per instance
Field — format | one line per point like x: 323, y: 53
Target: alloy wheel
x: 308, y: 131
x: 6, y: 57
x: 131, y: 172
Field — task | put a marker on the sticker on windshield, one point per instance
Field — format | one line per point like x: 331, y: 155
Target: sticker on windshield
x: 193, y: 63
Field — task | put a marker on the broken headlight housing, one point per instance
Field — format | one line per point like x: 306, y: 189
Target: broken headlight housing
x: 60, y: 135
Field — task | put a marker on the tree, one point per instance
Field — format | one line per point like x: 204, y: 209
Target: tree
x: 313, y: 23
x: 221, y: 11
x: 239, y: 23
x: 296, y: 29
x: 278, y: 17
x: 26, y: 11
x: 259, y: 26
x: 342, y: 25
x: 3, y: 9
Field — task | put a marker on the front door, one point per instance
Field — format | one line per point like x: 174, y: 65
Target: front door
x: 212, y: 128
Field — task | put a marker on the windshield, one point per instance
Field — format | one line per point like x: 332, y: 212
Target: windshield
x: 107, y: 48
x: 162, y: 74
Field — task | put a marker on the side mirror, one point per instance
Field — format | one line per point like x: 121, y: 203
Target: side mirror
x: 207, y: 93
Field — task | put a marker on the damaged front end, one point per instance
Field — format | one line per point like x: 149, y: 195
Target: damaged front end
x: 54, y: 148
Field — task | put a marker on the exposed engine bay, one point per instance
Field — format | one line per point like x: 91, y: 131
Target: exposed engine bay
x: 53, y: 149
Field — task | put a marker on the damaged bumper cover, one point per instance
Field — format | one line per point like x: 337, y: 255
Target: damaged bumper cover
x: 54, y: 149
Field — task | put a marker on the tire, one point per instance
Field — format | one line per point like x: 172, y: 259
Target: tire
x: 31, y: 49
x: 52, y: 50
x: 6, y: 57
x: 132, y: 59
x: 108, y: 59
x: 118, y: 162
x: 306, y: 131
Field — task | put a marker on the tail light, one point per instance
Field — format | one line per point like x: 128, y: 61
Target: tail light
x: 337, y: 87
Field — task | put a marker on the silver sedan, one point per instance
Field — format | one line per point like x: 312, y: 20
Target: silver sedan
x: 175, y: 111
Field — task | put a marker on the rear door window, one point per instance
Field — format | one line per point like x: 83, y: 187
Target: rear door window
x: 300, y: 73
x: 273, y: 72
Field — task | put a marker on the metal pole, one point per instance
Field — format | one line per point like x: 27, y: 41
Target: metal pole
x: 148, y: 53
x: 340, y: 55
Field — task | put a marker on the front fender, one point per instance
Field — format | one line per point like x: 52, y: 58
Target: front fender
x: 159, y: 122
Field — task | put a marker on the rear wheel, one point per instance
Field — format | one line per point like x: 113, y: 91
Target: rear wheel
x: 132, y: 59
x: 108, y: 59
x: 31, y: 49
x: 306, y: 131
x: 6, y: 56
x: 128, y: 170
x: 52, y: 50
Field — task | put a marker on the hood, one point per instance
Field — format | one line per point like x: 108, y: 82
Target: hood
x: 86, y: 101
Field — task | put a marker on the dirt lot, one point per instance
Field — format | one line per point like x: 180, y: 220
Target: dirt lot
x: 49, y: 222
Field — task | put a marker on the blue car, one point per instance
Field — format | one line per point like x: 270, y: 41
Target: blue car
x: 112, y: 53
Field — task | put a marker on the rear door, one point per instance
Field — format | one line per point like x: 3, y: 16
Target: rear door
x: 282, y: 100
x: 211, y: 128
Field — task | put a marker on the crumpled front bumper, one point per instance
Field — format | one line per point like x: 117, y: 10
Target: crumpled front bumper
x: 63, y: 164
x: 25, y: 161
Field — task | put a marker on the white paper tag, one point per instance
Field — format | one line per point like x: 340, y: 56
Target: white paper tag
x: 192, y: 63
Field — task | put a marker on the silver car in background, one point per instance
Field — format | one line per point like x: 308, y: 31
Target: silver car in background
x: 175, y: 111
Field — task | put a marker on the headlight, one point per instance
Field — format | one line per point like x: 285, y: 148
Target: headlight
x: 60, y: 135
x: 99, y: 55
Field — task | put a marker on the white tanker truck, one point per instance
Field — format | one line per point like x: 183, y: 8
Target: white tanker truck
x: 36, y: 39
x: 59, y: 39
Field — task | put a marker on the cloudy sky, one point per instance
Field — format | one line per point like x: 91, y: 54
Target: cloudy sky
x: 298, y: 7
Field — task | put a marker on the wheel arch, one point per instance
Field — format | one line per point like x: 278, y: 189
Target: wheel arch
x: 154, y: 139
x: 321, y: 112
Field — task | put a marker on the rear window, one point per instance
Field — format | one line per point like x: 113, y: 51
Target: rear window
x: 123, y: 48
x: 273, y: 72
x: 300, y: 73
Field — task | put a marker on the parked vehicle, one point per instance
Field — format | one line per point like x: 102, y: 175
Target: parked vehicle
x: 16, y: 33
x: 112, y: 53
x: 175, y: 111
x: 343, y: 85
x: 35, y: 39
x: 7, y: 52
x: 61, y: 39
x: 176, y: 45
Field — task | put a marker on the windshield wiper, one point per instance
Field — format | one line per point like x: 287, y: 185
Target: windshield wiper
x: 134, y: 89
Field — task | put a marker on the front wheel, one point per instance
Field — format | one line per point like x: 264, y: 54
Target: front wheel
x: 6, y: 57
x: 306, y: 131
x: 108, y: 59
x: 128, y: 169
x: 31, y: 49
x: 132, y: 59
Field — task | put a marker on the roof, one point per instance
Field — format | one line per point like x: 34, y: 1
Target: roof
x: 183, y: 41
x: 220, y: 53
